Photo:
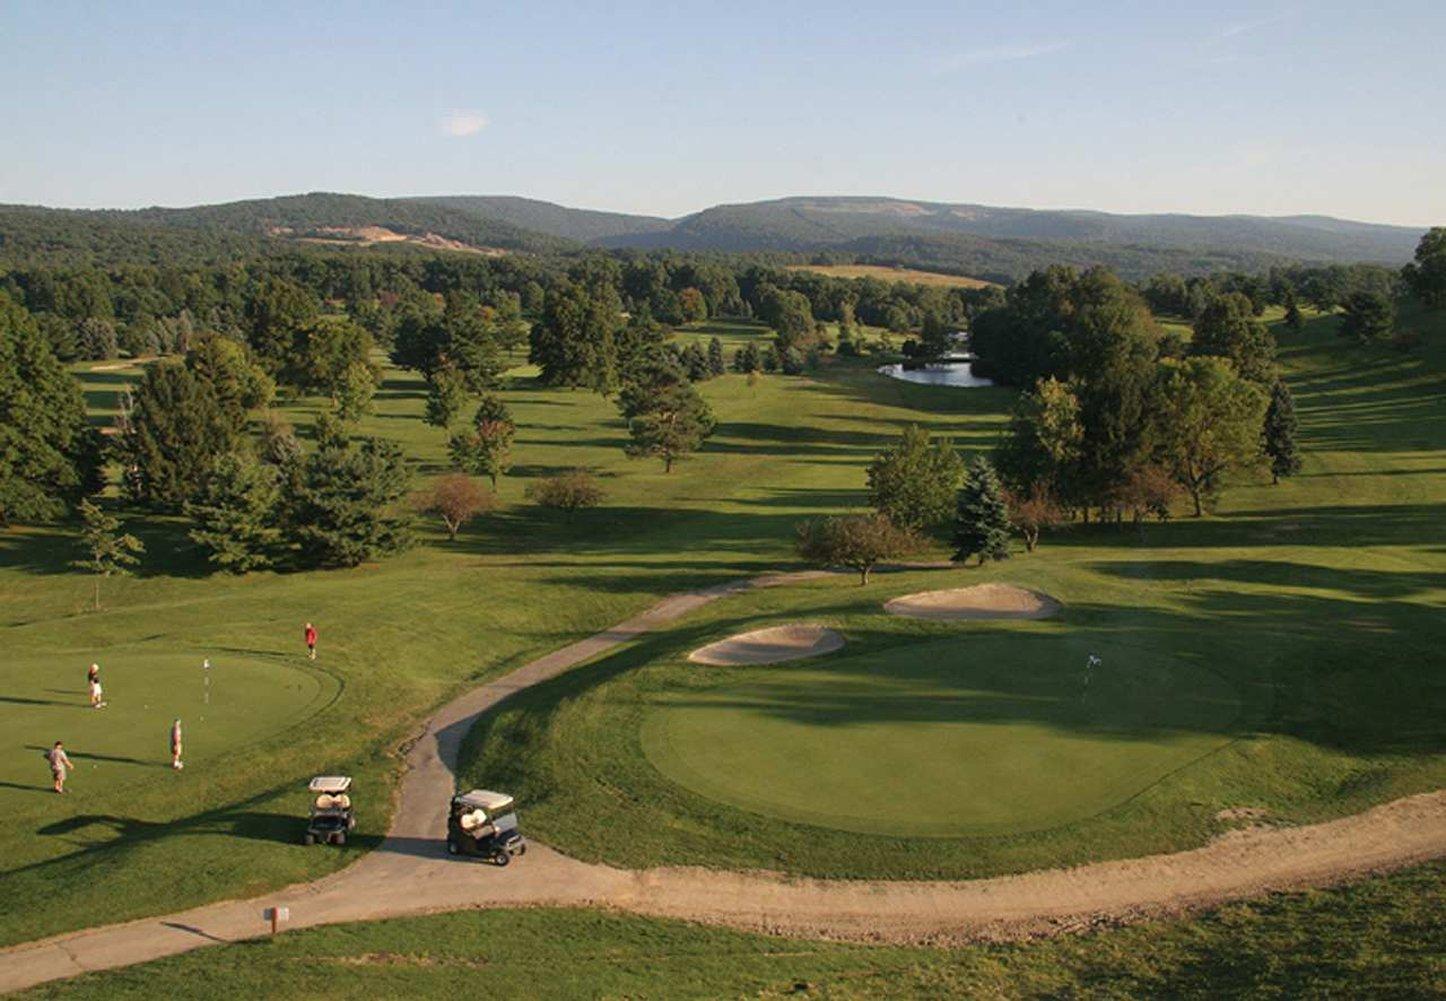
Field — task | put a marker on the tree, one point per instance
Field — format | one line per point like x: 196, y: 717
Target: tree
x: 790, y: 315
x: 981, y: 519
x: 716, y: 365
x: 1426, y: 275
x: 1148, y: 489
x: 170, y: 435
x: 235, y: 513
x: 456, y: 499
x: 49, y: 454
x: 1293, y: 319
x: 1032, y: 512
x: 96, y: 339
x: 1044, y: 439
x: 692, y: 306
x: 343, y: 510
x: 1279, y: 434
x: 353, y: 392
x: 575, y: 341
x: 913, y: 483
x: 666, y: 416
x: 1367, y: 316
x: 108, y: 551
x: 485, y: 450
x: 1227, y: 328
x: 471, y: 342
x: 325, y: 355
x: 747, y: 359
x: 240, y: 384
x: 446, y: 396
x: 276, y: 310
x: 859, y: 542
x: 566, y: 492
x: 1208, y: 420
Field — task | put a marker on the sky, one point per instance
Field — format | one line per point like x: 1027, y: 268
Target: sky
x: 665, y: 109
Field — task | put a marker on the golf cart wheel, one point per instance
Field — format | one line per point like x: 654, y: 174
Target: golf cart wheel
x: 340, y: 838
x: 501, y: 858
x: 451, y: 847
x: 521, y: 849
x: 308, y: 839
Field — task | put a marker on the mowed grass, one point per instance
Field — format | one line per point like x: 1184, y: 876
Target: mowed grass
x: 397, y: 637
x: 1003, y: 733
x: 1306, y: 616
x: 887, y: 274
x: 1379, y: 939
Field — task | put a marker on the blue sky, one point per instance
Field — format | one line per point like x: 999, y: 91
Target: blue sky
x: 667, y: 108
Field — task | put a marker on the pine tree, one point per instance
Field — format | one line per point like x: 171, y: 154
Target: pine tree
x: 981, y: 523
x: 446, y: 396
x: 108, y: 551
x: 344, y: 509
x: 171, y: 433
x: 716, y: 365
x: 235, y: 514
x: 1278, y: 437
x: 1293, y: 319
x: 486, y: 450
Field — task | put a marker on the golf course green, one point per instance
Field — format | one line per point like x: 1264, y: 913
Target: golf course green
x: 989, y: 734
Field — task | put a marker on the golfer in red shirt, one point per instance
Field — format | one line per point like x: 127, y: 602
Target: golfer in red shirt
x: 310, y: 641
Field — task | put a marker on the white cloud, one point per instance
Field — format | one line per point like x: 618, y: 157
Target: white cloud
x: 999, y: 54
x: 1246, y: 27
x: 463, y: 123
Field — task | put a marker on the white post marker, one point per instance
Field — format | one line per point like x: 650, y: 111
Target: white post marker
x: 276, y: 915
x: 206, y: 669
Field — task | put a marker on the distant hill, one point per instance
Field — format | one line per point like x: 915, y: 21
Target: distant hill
x: 1000, y: 244
x: 812, y: 224
x: 582, y: 225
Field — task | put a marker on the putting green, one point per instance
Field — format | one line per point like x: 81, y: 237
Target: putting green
x: 249, y: 697
x: 982, y: 734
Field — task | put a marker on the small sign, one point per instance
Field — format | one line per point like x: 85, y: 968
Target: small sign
x: 276, y: 915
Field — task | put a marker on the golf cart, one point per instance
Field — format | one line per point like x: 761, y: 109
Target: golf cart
x: 484, y: 824
x: 331, y: 814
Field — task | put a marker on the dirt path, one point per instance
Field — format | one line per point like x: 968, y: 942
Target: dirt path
x: 411, y: 874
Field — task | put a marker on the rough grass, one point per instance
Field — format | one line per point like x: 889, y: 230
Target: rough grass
x: 1379, y: 939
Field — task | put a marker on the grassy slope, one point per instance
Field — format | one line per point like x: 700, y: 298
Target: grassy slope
x: 1380, y: 939
x: 399, y: 637
x: 1318, y: 600
x: 887, y: 274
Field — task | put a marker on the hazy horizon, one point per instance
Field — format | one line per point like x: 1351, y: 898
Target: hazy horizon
x: 1239, y: 109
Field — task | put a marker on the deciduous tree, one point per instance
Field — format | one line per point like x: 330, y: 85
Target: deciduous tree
x: 666, y: 416
x: 914, y: 482
x: 456, y: 499
x: 858, y: 542
x: 1208, y: 421
x: 566, y: 492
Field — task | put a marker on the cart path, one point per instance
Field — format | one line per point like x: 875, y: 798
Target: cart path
x: 410, y: 873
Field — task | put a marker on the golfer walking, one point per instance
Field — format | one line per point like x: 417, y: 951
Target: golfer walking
x: 176, y: 762
x: 310, y: 634
x: 59, y: 762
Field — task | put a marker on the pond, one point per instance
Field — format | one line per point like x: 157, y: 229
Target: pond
x: 944, y: 373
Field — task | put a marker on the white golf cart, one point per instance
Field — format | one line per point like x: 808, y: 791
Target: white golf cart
x: 483, y: 824
x: 331, y: 813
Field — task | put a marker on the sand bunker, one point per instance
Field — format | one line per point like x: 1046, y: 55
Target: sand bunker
x: 982, y: 601
x: 769, y: 646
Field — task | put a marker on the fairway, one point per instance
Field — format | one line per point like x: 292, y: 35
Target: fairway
x: 982, y: 735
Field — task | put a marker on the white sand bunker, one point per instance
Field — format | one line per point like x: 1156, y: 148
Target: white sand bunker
x: 770, y: 646
x: 982, y: 601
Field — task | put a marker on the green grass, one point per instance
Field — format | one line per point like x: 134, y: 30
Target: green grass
x: 1379, y: 939
x: 1297, y: 633
x: 397, y: 638
x: 999, y: 734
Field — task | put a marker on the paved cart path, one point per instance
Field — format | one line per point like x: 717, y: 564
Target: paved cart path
x: 410, y: 872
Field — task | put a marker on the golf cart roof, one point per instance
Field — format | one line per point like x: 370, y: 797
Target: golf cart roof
x: 330, y: 784
x: 482, y: 799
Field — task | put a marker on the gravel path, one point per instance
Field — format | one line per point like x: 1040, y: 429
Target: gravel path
x: 411, y: 874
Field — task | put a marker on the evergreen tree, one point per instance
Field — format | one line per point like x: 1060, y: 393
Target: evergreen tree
x: 914, y: 482
x: 471, y: 343
x: 275, y: 311
x: 1227, y: 328
x: 981, y: 522
x: 49, y: 454
x: 171, y: 433
x: 235, y: 513
x: 485, y: 450
x: 1293, y: 319
x: 695, y: 363
x: 240, y: 384
x: 716, y: 365
x: 344, y: 509
x: 446, y: 396
x: 575, y: 341
x: 1368, y: 316
x: 109, y: 552
x: 353, y: 393
x: 1279, y: 436
x: 666, y: 416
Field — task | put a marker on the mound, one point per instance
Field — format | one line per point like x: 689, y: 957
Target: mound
x: 982, y: 601
x: 769, y: 646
